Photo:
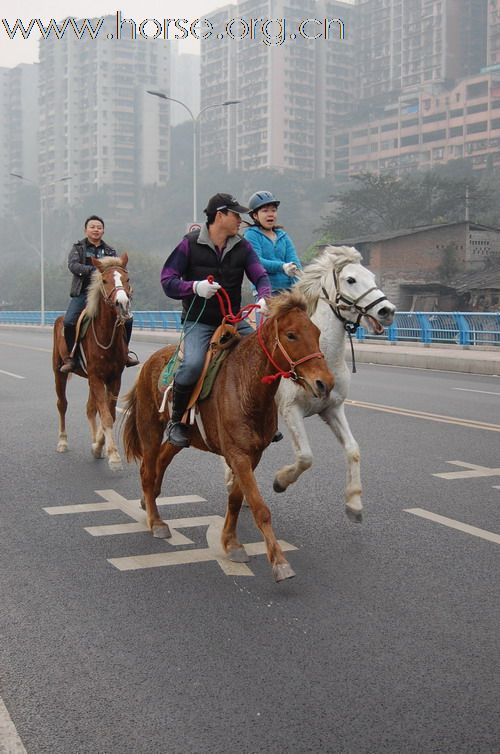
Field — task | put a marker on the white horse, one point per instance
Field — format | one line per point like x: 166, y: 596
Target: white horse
x: 341, y: 295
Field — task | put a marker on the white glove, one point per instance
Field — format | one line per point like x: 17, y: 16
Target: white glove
x: 264, y: 309
x: 290, y: 269
x: 205, y: 288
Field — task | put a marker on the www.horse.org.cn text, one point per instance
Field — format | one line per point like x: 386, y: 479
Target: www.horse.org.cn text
x: 268, y: 31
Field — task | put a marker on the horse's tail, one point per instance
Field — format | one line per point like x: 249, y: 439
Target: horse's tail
x: 131, y: 439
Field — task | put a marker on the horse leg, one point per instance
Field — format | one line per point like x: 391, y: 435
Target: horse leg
x: 96, y: 432
x: 234, y: 549
x: 99, y: 391
x: 153, y: 465
x: 335, y: 417
x: 262, y: 515
x: 62, y: 405
x: 303, y: 454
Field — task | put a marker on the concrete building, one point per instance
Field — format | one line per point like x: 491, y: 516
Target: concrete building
x: 417, y: 267
x: 96, y: 123
x: 185, y: 84
x: 293, y: 89
x: 427, y: 129
x: 18, y: 131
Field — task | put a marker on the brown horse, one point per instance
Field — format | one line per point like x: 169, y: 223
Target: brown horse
x: 239, y: 417
x: 103, y: 354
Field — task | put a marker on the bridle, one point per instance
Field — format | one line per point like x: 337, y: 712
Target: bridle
x: 349, y: 303
x: 291, y: 373
x: 342, y: 302
x: 110, y: 299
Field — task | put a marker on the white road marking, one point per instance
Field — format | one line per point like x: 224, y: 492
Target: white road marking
x: 11, y: 374
x: 470, y: 423
x: 473, y: 470
x: 453, y: 524
x: 10, y: 743
x: 114, y: 501
x: 470, y: 390
x: 28, y: 348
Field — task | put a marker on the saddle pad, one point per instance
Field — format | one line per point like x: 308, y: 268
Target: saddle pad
x: 212, y: 371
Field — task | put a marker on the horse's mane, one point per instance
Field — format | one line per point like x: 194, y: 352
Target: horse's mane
x: 94, y: 289
x: 331, y: 258
x: 285, y: 302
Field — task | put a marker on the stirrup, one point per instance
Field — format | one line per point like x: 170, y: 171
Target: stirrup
x: 277, y: 437
x: 132, y: 359
x: 177, y: 434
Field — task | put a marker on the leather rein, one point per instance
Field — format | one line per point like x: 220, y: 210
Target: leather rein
x: 291, y: 373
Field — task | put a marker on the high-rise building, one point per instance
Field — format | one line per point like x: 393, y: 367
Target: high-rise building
x: 97, y: 124
x: 293, y: 82
x: 405, y: 44
x: 185, y: 84
x: 18, y: 130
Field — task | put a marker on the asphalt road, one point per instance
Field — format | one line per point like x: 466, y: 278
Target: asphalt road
x: 387, y: 640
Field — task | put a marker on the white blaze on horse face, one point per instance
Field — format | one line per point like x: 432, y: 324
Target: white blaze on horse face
x: 121, y: 295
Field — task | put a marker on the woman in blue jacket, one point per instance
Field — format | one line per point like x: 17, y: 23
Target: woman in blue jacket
x: 274, y: 247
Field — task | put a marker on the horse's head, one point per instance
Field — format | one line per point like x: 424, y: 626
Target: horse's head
x: 114, y: 283
x: 352, y: 291
x: 293, y: 343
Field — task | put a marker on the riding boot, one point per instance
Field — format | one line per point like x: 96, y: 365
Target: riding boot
x: 132, y: 358
x: 177, y: 433
x: 69, y: 363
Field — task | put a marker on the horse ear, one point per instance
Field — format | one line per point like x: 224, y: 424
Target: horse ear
x: 124, y: 259
x: 96, y: 262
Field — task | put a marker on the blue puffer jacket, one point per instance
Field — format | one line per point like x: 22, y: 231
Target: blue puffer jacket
x: 274, y: 255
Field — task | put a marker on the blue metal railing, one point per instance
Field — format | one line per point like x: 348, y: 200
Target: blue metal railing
x: 458, y: 328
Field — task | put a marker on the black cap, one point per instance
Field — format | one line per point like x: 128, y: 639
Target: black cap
x: 224, y: 201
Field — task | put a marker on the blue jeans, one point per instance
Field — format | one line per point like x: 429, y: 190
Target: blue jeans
x: 196, y: 340
x: 75, y: 308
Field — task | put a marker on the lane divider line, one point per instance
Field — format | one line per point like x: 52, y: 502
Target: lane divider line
x: 470, y: 423
x: 453, y: 524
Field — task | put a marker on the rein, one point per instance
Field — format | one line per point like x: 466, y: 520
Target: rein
x: 228, y: 316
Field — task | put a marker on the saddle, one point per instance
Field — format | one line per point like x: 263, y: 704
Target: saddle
x: 222, y: 341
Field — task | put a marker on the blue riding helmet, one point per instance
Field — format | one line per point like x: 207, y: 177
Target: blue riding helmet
x: 261, y: 199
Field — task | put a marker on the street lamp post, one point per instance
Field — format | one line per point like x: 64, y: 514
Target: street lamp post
x: 42, y: 251
x: 195, y: 119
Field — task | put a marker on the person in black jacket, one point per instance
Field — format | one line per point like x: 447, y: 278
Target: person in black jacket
x: 214, y: 251
x: 80, y: 265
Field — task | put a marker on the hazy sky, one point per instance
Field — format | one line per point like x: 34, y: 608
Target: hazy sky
x: 17, y: 51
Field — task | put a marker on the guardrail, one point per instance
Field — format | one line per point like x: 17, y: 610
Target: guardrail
x: 459, y: 328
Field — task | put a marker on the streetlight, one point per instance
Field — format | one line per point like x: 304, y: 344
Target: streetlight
x: 42, y: 263
x: 195, y: 119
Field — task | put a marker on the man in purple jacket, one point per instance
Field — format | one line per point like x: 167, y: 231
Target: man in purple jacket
x: 216, y: 250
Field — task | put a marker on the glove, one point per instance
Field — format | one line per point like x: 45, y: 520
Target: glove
x: 264, y: 309
x: 290, y: 269
x: 205, y: 289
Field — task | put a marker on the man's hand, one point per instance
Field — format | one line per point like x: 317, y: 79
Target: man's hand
x: 264, y: 309
x: 290, y: 269
x: 205, y: 288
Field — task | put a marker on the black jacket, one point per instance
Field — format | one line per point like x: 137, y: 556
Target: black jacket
x: 80, y: 269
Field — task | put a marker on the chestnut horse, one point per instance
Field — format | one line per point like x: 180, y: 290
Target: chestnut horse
x: 239, y: 417
x: 102, y: 354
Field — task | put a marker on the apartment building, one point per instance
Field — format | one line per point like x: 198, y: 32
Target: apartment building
x: 97, y: 124
x: 291, y: 89
x: 18, y: 131
x: 426, y: 130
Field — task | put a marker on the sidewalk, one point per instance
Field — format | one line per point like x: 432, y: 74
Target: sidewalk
x: 474, y: 360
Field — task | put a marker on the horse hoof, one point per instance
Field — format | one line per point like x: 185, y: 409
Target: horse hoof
x: 238, y: 555
x: 62, y: 448
x: 115, y: 465
x: 143, y: 504
x: 283, y: 571
x: 161, y: 531
x: 277, y: 487
x: 355, y: 516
